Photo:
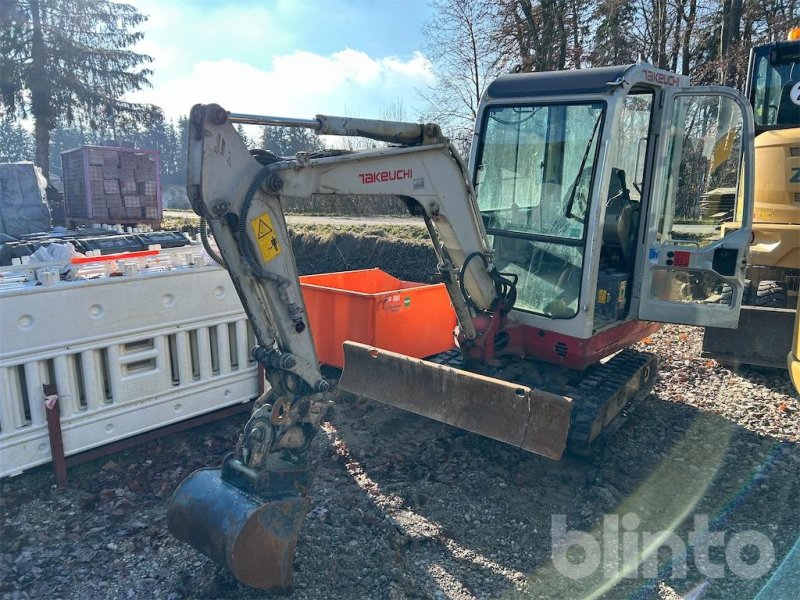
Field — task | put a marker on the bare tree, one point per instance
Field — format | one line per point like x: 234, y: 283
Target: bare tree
x: 536, y: 30
x: 689, y: 16
x: 466, y: 58
x: 725, y: 30
x: 394, y: 111
x: 471, y: 41
x: 730, y: 38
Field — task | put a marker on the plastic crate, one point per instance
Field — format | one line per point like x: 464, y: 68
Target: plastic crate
x: 372, y: 307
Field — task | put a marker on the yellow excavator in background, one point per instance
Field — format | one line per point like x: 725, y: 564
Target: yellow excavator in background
x: 793, y: 359
x: 771, y: 291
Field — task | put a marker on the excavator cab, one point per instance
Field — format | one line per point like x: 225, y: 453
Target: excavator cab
x: 575, y: 227
x: 590, y: 186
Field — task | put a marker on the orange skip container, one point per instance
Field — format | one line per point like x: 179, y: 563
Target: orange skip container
x: 372, y: 307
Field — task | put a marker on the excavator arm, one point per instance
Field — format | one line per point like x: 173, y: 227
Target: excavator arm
x: 241, y: 199
x: 254, y: 504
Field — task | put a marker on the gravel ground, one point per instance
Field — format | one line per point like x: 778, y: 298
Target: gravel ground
x: 403, y: 507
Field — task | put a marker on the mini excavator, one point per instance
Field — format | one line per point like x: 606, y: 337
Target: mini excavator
x: 561, y: 244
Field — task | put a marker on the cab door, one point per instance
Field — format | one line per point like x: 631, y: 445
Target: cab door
x: 692, y: 272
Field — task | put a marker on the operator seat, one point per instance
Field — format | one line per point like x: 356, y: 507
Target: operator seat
x: 622, y: 219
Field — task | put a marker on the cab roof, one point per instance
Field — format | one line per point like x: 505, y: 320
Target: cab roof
x: 556, y: 83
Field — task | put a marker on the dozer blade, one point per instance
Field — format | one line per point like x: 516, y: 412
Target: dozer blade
x: 253, y: 538
x: 763, y: 338
x: 531, y: 419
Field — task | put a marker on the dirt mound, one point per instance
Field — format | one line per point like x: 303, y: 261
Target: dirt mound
x: 331, y: 251
x: 341, y: 204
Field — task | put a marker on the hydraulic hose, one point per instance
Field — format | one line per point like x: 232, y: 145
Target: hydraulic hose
x: 244, y: 245
x: 207, y: 245
x: 295, y: 311
x: 265, y: 158
x: 506, y: 288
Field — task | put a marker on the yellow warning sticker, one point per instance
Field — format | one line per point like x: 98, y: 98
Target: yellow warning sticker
x: 266, y: 238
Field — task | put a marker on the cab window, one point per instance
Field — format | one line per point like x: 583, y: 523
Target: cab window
x: 534, y: 178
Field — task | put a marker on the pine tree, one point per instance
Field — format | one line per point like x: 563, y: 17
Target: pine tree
x: 16, y: 144
x: 614, y: 43
x: 64, y: 59
x: 288, y: 141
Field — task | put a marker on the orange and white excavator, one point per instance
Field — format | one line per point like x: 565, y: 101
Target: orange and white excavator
x: 566, y: 239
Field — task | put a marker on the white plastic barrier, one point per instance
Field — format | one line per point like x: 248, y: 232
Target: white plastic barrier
x: 127, y: 355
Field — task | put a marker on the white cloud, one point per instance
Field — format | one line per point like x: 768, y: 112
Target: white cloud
x: 300, y: 84
x: 236, y: 29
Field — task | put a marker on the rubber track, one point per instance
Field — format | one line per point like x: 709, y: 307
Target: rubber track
x: 603, y: 390
x: 594, y: 392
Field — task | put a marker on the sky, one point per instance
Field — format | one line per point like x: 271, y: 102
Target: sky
x: 290, y: 58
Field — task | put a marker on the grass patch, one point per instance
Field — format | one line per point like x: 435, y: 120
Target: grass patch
x: 178, y: 220
x: 327, y: 230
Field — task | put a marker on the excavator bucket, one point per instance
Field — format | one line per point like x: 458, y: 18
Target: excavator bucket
x: 527, y: 418
x: 253, y: 536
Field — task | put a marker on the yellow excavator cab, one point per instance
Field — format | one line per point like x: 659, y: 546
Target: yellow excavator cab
x: 773, y: 272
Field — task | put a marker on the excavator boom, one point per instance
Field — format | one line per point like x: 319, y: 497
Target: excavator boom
x: 239, y: 196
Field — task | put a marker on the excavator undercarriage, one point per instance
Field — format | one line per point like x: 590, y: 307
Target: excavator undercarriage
x: 539, y: 407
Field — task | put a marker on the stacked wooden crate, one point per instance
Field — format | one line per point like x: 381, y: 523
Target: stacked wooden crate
x: 112, y: 185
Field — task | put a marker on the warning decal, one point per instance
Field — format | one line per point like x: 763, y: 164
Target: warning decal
x: 265, y: 237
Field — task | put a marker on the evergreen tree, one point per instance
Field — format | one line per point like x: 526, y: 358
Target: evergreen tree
x: 614, y: 43
x: 246, y: 139
x: 65, y: 59
x: 288, y: 141
x: 16, y: 144
x: 67, y: 138
x: 181, y: 148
